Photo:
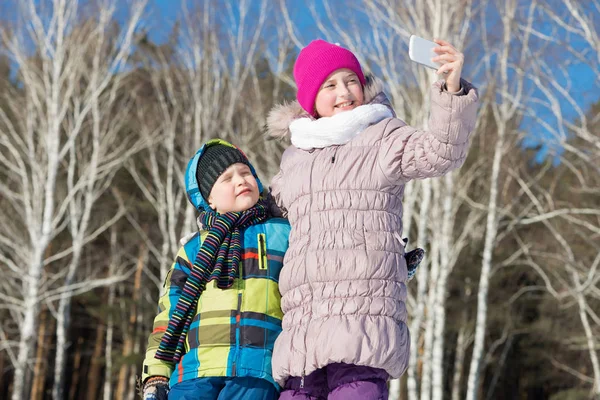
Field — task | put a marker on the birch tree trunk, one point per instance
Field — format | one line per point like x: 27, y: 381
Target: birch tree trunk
x: 43, y: 123
x: 577, y: 145
x: 38, y: 205
x: 422, y: 281
x: 410, y: 198
x: 87, y: 182
x: 440, y: 295
x: 108, y: 368
x: 459, y: 362
x: 461, y: 345
x: 503, y: 112
x: 491, y: 230
x: 429, y: 335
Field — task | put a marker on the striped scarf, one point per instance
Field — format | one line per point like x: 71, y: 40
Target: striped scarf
x: 218, y: 259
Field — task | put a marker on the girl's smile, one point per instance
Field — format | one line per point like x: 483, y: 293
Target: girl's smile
x: 347, y: 105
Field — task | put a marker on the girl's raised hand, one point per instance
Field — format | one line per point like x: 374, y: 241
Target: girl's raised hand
x: 453, y: 62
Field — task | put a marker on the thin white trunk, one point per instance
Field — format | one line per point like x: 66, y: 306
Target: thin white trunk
x: 27, y: 332
x: 80, y: 211
x: 394, y: 389
x: 39, y: 242
x: 423, y: 273
x: 445, y: 241
x: 502, y: 113
x: 484, y: 280
x: 130, y: 390
x: 63, y: 319
x: 40, y: 230
x: 426, y: 378
x: 439, y: 310
x: 410, y: 197
x: 459, y: 361
x: 427, y: 361
x: 422, y: 280
x: 63, y: 323
x: 107, y: 390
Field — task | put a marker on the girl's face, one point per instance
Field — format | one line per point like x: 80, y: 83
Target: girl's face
x: 235, y: 190
x: 340, y: 92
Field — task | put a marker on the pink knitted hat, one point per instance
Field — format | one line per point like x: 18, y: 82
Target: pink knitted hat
x: 314, y: 64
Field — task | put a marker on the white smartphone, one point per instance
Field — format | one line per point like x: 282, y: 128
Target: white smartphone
x: 421, y: 51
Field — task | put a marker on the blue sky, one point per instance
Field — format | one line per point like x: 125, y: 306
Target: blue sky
x: 161, y: 14
x: 164, y: 12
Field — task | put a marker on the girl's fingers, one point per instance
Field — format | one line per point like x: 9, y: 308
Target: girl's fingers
x: 445, y: 49
x: 448, y: 53
x: 442, y: 42
x: 445, y: 57
x: 447, y: 68
x: 442, y: 70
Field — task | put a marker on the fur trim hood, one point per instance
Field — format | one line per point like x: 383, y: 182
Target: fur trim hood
x: 282, y: 115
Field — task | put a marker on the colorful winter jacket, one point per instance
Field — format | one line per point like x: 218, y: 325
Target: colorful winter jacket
x: 234, y: 330
x: 343, y: 283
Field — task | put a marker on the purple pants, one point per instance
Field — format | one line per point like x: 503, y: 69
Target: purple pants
x: 339, y: 382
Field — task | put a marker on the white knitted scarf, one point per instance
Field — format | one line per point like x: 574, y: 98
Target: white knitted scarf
x: 338, y: 129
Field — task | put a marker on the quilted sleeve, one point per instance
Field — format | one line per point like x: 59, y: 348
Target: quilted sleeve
x: 408, y: 153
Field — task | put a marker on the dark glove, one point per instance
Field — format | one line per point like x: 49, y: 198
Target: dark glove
x: 413, y: 259
x: 156, y: 388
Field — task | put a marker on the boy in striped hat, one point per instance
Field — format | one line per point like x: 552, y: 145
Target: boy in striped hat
x: 220, y: 311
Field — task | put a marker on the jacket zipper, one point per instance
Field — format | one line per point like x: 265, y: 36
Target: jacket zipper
x: 262, y: 252
x: 237, y: 326
x: 312, y: 167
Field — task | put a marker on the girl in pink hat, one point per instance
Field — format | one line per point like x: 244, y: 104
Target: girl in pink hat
x: 343, y: 283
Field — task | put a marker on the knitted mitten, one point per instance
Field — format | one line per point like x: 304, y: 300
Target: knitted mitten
x: 156, y: 388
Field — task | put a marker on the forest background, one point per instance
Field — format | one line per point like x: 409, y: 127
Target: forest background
x: 103, y: 102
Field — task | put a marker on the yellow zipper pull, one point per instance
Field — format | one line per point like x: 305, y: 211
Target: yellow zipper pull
x: 262, y: 252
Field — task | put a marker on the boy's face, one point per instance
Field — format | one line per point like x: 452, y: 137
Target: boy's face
x: 341, y: 91
x: 235, y: 190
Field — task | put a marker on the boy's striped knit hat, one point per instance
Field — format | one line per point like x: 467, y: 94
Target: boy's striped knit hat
x: 315, y: 63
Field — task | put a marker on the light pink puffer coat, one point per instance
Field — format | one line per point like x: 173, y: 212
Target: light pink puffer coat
x: 343, y: 283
